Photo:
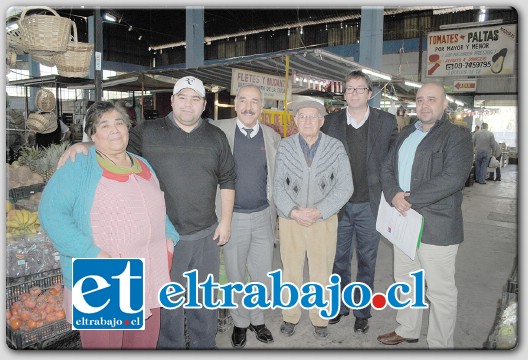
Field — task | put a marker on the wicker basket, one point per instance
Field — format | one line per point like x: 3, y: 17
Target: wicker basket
x: 45, y: 100
x: 75, y: 62
x: 11, y: 57
x: 53, y: 123
x: 14, y: 40
x: 40, y: 122
x: 46, y: 60
x: 44, y: 34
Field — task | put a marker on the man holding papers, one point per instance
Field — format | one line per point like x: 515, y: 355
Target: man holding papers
x: 426, y: 171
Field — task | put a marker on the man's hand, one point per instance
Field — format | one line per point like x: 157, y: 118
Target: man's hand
x: 400, y: 203
x: 305, y: 216
x: 72, y: 151
x: 222, y: 233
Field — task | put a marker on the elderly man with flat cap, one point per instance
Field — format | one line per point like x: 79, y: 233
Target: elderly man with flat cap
x: 312, y: 182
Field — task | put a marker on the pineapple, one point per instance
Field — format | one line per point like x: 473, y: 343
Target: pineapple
x: 45, y: 165
x: 28, y: 156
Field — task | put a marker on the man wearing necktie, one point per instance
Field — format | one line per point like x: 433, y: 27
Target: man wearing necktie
x: 248, y: 132
x: 254, y: 216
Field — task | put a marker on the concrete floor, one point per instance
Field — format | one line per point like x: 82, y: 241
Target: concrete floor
x: 484, y: 263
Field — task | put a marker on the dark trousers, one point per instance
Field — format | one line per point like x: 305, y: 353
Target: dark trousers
x: 202, y: 255
x: 357, y: 230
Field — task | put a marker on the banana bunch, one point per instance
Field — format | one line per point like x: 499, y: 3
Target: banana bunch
x: 22, y: 222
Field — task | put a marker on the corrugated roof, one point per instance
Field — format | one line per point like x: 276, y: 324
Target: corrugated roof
x: 317, y: 63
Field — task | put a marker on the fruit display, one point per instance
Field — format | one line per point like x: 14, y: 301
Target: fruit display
x: 21, y: 175
x: 36, y: 308
x: 41, y: 297
x: 28, y: 249
x: 30, y: 254
x: 21, y: 222
x: 34, y: 165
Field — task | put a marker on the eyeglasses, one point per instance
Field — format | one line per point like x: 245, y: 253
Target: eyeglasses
x: 359, y: 90
x: 304, y: 117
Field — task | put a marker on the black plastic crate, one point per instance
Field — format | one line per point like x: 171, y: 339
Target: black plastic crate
x: 22, y: 339
x: 24, y: 192
x: 67, y: 341
x: 19, y: 339
x: 17, y: 286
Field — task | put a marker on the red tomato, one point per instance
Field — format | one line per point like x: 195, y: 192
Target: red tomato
x: 15, y: 323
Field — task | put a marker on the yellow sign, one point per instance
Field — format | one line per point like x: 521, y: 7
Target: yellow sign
x: 275, y: 119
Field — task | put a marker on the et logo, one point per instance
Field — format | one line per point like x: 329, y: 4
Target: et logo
x: 108, y: 294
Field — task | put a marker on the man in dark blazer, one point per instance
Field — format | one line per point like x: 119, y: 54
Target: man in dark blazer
x: 426, y: 170
x: 367, y: 134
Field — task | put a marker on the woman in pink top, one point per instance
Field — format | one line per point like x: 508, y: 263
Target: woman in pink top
x: 107, y: 205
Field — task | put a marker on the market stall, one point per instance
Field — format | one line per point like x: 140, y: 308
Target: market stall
x: 34, y: 312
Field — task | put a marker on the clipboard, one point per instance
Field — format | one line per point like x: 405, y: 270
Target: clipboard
x: 405, y: 232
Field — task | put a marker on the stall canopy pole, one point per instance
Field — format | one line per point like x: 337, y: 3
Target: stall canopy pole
x: 285, y: 117
x: 142, y: 97
x: 216, y: 105
x: 98, y: 52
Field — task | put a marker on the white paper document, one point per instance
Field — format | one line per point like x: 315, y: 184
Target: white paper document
x: 405, y: 232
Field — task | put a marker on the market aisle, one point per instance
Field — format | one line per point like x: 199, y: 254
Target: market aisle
x: 484, y: 264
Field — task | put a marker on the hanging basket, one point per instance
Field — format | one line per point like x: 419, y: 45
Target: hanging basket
x: 39, y: 121
x: 53, y: 123
x: 75, y: 62
x: 14, y: 40
x: 46, y: 60
x: 44, y: 34
x: 45, y: 100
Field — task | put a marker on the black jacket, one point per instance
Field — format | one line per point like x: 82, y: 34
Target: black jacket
x: 440, y: 169
x: 382, y: 131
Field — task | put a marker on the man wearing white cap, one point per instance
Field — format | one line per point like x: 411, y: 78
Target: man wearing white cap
x: 191, y: 158
x: 312, y: 182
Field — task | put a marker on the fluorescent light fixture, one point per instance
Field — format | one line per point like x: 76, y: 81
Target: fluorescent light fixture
x: 459, y: 103
x: 377, y: 74
x: 413, y: 84
x: 450, y: 98
x: 389, y: 97
x: 441, y: 10
x: 109, y: 17
x: 470, y: 24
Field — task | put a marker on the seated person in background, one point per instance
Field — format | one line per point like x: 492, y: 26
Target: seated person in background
x: 65, y: 132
